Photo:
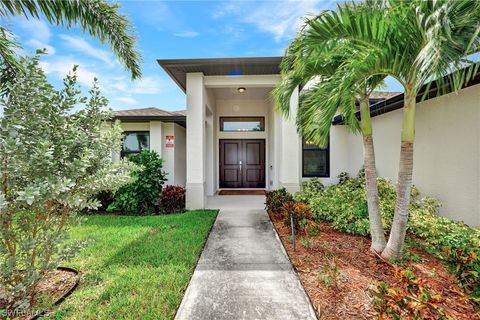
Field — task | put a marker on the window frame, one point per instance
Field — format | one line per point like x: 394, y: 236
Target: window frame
x: 124, y: 153
x: 327, y: 173
x: 224, y: 119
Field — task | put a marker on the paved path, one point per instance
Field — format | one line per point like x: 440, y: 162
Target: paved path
x: 244, y: 273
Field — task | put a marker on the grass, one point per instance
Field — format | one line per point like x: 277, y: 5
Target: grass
x: 138, y: 267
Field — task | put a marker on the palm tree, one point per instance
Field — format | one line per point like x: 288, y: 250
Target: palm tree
x: 423, y: 41
x: 97, y: 17
x: 435, y: 38
x: 310, y: 59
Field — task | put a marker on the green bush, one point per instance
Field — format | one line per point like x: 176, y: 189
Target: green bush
x: 310, y: 189
x: 140, y: 197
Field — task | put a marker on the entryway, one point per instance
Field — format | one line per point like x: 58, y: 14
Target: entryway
x: 242, y: 163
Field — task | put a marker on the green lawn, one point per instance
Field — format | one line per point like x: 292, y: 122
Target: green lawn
x: 138, y: 267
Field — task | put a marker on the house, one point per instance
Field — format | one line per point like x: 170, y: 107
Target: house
x: 231, y: 137
x: 149, y: 128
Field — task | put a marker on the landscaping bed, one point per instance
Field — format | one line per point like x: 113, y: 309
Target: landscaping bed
x: 136, y: 267
x: 340, y: 275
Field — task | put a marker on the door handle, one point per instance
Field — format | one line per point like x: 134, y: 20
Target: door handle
x: 240, y: 164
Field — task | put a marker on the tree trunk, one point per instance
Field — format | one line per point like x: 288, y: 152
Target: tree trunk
x: 376, y: 228
x: 394, y: 248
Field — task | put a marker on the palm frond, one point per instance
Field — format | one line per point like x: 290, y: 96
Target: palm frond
x: 97, y: 17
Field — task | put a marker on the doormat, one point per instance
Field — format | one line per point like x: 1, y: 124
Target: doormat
x: 241, y: 192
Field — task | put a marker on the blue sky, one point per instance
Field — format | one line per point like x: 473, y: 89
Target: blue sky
x: 168, y: 29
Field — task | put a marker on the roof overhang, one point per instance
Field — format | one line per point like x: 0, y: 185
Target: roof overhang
x: 180, y: 120
x: 177, y: 69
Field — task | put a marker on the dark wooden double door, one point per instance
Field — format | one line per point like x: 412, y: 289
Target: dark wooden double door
x: 242, y: 163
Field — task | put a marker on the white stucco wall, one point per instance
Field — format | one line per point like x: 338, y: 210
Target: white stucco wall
x: 180, y: 170
x: 446, y: 151
x: 168, y: 154
x: 174, y: 158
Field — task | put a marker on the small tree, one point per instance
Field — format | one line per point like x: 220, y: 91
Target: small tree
x: 55, y: 155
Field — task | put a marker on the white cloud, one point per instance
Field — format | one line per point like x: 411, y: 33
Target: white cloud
x: 39, y: 34
x: 128, y: 100
x: 36, y: 44
x: 38, y: 29
x: 81, y: 45
x: 279, y: 18
x: 186, y: 34
x: 146, y: 85
x: 61, y: 66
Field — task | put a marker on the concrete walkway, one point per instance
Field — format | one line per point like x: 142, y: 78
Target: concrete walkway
x: 244, y: 272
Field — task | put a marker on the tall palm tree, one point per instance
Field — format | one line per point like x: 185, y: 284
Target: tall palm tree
x: 423, y: 41
x: 309, y: 59
x: 97, y: 17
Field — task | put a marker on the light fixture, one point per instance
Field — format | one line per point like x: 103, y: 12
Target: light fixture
x: 241, y: 89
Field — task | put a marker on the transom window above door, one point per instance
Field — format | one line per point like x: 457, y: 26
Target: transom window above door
x: 242, y: 124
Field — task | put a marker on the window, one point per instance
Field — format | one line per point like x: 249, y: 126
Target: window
x: 242, y: 124
x: 135, y: 142
x: 315, y: 161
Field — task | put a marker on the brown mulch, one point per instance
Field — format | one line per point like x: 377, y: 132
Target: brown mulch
x: 358, y: 270
x: 49, y: 290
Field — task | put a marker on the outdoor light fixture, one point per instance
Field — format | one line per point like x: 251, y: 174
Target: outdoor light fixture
x: 241, y: 89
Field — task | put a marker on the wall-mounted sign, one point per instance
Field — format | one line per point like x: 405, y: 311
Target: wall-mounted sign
x: 169, y: 141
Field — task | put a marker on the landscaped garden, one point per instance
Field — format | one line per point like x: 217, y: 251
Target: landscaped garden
x: 437, y: 277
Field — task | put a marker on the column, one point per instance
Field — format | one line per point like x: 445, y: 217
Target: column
x: 290, y: 154
x: 196, y: 142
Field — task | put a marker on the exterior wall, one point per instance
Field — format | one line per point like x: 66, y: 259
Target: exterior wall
x: 174, y: 158
x: 212, y: 149
x: 180, y: 172
x: 446, y: 156
x: 156, y: 134
x: 290, y: 150
x: 168, y: 154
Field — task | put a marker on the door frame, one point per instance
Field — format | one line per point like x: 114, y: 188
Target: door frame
x: 265, y: 156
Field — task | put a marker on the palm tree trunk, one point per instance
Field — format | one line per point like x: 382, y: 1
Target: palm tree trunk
x: 394, y: 248
x: 376, y: 228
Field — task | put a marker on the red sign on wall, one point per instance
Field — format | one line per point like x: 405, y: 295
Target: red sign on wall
x: 169, y: 141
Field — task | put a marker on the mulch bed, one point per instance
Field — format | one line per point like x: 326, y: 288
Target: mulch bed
x: 49, y: 290
x: 356, y: 272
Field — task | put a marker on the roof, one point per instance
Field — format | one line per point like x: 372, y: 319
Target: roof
x: 396, y: 102
x: 147, y: 114
x: 177, y: 69
x: 383, y: 95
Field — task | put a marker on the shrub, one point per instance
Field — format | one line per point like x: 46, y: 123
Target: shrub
x: 310, y: 189
x: 141, y: 195
x: 172, y: 199
x: 53, y: 160
x: 344, y: 205
x: 275, y: 199
x: 411, y: 299
x: 302, y: 217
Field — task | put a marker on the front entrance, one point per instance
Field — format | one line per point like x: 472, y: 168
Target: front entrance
x: 242, y: 163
